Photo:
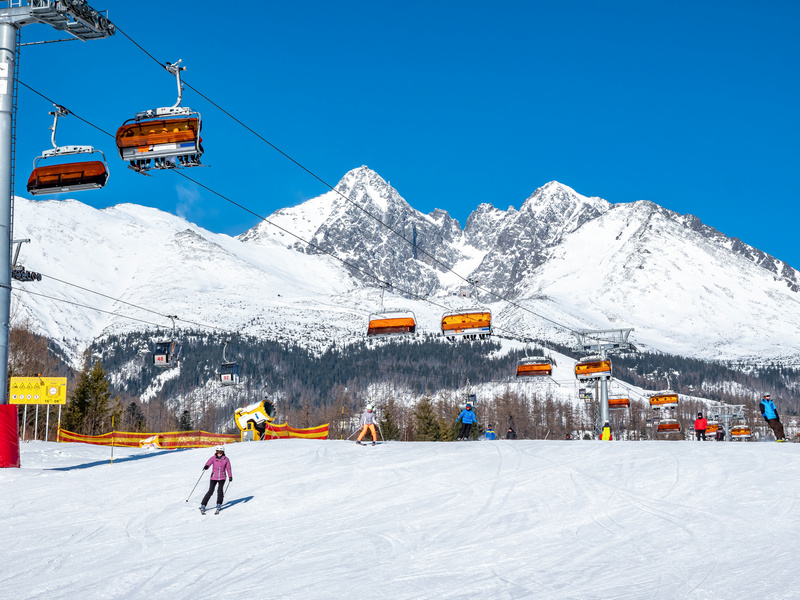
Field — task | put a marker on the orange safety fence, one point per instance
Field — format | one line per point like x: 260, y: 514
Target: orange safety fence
x: 188, y: 439
x: 283, y: 431
x: 167, y: 440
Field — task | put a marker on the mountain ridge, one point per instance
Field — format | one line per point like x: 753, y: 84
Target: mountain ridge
x: 580, y: 261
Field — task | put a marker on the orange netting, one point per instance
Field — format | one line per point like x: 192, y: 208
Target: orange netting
x: 169, y: 439
x: 283, y: 431
x: 187, y: 439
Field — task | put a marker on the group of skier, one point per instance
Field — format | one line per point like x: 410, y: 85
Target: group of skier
x: 768, y: 411
x: 221, y: 470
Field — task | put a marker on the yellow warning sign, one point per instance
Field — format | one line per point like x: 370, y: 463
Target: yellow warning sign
x: 38, y: 390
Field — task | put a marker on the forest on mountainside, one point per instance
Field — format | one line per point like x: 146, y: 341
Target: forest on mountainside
x: 334, y: 386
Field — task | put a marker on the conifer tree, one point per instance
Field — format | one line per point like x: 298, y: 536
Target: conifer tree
x: 389, y: 427
x: 427, y: 426
x: 185, y: 422
x: 90, y: 408
x: 133, y: 418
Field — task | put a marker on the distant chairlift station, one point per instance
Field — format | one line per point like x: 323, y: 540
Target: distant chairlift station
x: 74, y: 176
x: 162, y: 138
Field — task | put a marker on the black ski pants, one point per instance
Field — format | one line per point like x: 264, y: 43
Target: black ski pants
x: 777, y: 427
x: 465, y: 429
x: 220, y: 483
x: 701, y: 434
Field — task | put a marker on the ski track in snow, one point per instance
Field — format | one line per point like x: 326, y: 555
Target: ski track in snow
x: 330, y: 519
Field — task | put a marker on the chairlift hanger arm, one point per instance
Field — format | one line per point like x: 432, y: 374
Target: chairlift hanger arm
x: 176, y: 69
x: 60, y: 111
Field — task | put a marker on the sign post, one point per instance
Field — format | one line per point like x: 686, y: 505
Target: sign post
x: 37, y: 390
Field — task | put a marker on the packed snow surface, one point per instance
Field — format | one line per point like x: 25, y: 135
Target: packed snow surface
x: 330, y: 519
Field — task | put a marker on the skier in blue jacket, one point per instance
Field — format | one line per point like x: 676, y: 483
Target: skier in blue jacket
x: 467, y: 418
x: 490, y: 433
x: 770, y: 414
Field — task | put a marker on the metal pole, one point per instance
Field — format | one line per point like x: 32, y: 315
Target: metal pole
x: 8, y: 54
x: 47, y: 423
x: 604, y: 402
x: 195, y: 485
x: 36, y: 425
x: 24, y: 421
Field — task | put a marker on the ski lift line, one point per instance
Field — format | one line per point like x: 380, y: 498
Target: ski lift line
x: 132, y: 41
x: 297, y: 163
x: 101, y: 130
x: 108, y: 312
x: 378, y: 220
x: 447, y: 268
x: 85, y: 289
x: 333, y: 189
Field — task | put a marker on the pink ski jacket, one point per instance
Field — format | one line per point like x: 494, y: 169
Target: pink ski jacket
x: 219, y: 466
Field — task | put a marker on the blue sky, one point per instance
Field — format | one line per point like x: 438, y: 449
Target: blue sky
x: 690, y: 105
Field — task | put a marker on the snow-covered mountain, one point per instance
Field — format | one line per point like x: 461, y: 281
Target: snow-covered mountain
x: 309, y: 273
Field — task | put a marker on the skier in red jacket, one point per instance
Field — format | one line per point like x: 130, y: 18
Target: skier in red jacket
x: 700, y: 425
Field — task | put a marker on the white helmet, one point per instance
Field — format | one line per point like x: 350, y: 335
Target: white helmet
x: 220, y: 449
x: 370, y: 407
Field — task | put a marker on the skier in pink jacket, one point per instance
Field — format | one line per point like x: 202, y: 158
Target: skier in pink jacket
x: 220, y: 466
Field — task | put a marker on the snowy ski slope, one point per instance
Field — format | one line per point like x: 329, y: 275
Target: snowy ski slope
x: 329, y: 519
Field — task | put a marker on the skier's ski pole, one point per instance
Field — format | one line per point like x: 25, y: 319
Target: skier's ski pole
x: 195, y: 485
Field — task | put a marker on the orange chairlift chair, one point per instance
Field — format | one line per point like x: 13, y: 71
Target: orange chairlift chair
x: 162, y: 138
x: 63, y: 177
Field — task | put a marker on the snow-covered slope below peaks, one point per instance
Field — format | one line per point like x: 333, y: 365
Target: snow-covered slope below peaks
x: 638, y: 265
x: 125, y: 267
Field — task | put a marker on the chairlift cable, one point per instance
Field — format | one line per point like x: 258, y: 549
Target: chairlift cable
x: 203, y: 325
x: 244, y: 208
x: 333, y: 189
x: 108, y: 312
x: 311, y: 244
x: 22, y: 83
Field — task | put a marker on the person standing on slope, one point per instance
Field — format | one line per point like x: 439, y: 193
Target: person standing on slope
x: 700, y: 425
x: 467, y: 418
x: 770, y: 414
x: 219, y: 465
x: 490, y: 434
x: 368, y: 423
x: 511, y: 434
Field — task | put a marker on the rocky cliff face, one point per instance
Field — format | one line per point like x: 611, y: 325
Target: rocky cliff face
x: 371, y: 227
